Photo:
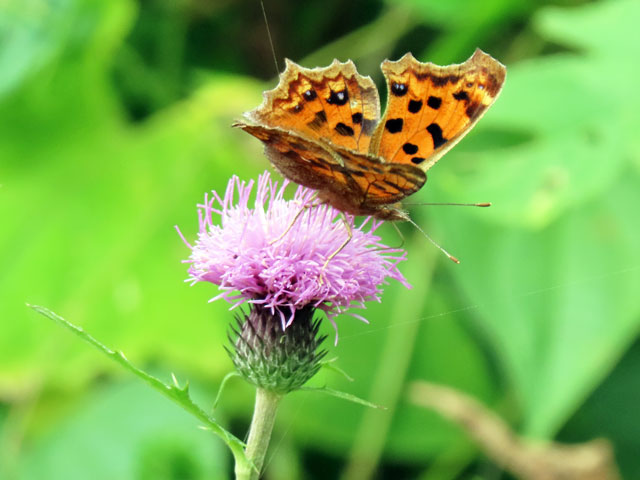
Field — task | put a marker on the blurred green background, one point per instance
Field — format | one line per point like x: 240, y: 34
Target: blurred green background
x: 115, y: 119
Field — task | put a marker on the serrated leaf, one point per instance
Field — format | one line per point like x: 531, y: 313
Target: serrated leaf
x: 330, y: 365
x: 114, y: 432
x: 226, y: 378
x: 177, y: 394
x: 343, y: 395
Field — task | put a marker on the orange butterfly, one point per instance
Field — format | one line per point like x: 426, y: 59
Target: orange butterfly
x: 321, y: 127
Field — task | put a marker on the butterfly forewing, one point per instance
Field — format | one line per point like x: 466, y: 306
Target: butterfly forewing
x: 430, y: 108
x: 334, y: 104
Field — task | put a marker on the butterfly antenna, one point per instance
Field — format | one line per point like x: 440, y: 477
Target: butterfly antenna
x: 438, y: 246
x: 273, y: 50
x: 481, y: 204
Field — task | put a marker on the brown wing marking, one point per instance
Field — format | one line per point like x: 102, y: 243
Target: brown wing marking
x: 382, y: 183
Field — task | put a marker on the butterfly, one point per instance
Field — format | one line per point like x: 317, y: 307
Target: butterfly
x: 321, y: 127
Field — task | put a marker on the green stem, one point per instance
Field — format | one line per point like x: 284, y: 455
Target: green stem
x: 264, y: 415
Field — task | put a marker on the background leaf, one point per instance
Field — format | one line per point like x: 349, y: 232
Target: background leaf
x: 114, y: 121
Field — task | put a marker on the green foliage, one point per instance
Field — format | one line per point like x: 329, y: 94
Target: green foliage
x: 115, y: 432
x: 555, y: 280
x: 114, y: 121
x: 178, y: 394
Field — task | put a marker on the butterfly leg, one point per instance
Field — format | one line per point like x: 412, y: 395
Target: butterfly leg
x: 341, y: 247
x: 304, y: 208
x: 402, y: 239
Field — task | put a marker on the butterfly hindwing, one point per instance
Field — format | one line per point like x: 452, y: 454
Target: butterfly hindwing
x: 301, y: 160
x: 351, y: 181
x: 382, y: 182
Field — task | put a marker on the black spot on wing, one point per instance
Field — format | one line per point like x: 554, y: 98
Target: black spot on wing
x: 398, y: 89
x: 434, y: 102
x: 309, y: 95
x: 338, y: 98
x: 417, y: 160
x: 461, y: 95
x: 436, y: 134
x: 415, y: 106
x: 410, y: 148
x: 344, y: 130
x: 319, y: 119
x: 357, y: 117
x: 394, y: 125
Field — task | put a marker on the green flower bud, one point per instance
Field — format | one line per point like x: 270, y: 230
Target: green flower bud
x: 274, y: 358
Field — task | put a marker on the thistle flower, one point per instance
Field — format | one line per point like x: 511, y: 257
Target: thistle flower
x: 275, y: 252
x: 286, y: 259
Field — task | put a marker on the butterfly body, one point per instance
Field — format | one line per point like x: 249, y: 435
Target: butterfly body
x: 322, y: 129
